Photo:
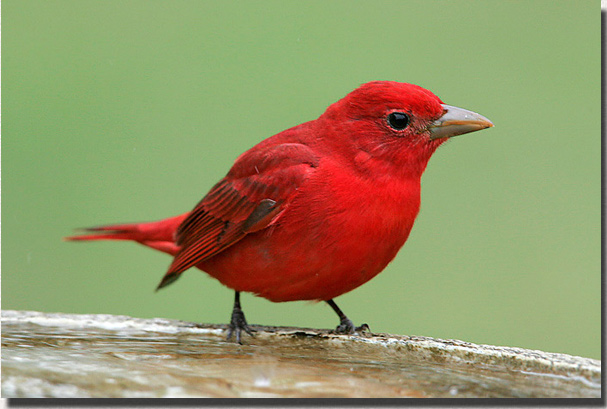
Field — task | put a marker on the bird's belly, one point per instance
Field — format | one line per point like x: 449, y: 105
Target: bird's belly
x: 314, y: 258
x: 298, y: 270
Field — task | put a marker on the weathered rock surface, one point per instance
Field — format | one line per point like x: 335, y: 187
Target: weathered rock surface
x: 65, y: 355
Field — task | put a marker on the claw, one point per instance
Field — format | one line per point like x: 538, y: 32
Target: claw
x: 345, y: 324
x: 237, y: 325
x: 347, y: 327
x: 238, y: 322
x: 363, y: 328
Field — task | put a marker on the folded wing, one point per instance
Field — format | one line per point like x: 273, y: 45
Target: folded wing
x: 258, y: 188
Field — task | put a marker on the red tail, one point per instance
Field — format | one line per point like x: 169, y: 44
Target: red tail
x: 158, y: 235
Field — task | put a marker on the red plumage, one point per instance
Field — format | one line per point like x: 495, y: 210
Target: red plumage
x: 316, y: 210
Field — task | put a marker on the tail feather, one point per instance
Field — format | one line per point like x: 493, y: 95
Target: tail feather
x: 158, y: 235
x: 110, y: 232
x: 158, y: 231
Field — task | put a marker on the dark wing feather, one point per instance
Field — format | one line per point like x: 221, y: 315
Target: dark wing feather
x: 257, y: 189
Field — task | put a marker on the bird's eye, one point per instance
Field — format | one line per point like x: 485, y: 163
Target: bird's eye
x: 398, y: 120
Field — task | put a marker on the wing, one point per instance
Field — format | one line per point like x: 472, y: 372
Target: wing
x: 258, y: 188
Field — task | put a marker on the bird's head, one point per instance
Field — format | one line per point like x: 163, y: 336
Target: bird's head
x: 396, y: 125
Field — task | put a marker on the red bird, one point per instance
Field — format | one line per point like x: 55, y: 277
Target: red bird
x: 316, y: 210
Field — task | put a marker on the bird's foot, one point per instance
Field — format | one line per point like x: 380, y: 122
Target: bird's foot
x: 347, y: 327
x: 238, y: 323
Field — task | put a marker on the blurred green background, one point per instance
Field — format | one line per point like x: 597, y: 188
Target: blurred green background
x: 121, y: 111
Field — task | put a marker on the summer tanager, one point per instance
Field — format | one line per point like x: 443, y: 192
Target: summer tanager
x: 316, y: 210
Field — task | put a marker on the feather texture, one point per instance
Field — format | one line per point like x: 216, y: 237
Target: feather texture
x: 259, y: 186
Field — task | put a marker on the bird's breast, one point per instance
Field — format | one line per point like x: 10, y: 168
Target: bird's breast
x: 373, y: 215
x: 339, y: 232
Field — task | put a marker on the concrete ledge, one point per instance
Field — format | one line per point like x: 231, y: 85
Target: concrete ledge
x: 67, y: 355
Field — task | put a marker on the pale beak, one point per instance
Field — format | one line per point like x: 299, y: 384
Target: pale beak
x: 457, y: 121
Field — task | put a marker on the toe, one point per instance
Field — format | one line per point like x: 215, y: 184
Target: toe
x: 345, y: 327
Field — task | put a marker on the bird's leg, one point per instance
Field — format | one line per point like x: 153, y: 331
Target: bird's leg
x: 345, y: 324
x: 238, y: 322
